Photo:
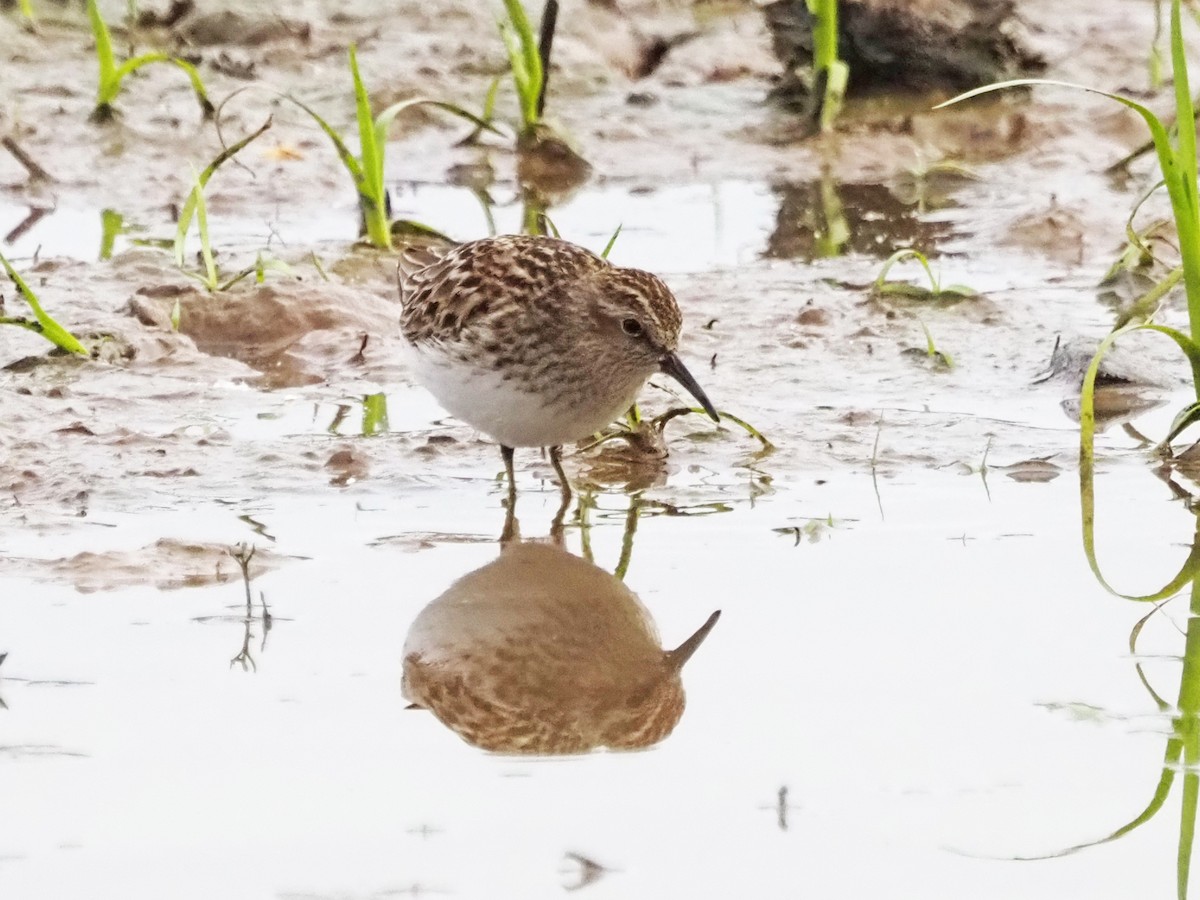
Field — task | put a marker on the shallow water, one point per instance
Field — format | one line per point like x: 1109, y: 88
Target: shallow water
x: 924, y: 685
x: 915, y: 679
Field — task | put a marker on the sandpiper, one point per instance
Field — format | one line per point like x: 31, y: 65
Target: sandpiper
x: 537, y: 342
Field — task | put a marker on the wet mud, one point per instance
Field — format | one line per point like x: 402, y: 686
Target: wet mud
x: 907, y: 620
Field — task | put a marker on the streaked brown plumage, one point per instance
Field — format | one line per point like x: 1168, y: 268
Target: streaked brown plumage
x: 542, y: 652
x: 535, y: 341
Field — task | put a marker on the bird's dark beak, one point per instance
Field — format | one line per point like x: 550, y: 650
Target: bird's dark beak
x: 671, y: 365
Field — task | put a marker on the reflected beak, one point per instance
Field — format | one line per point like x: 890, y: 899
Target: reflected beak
x: 681, y: 654
x: 671, y: 365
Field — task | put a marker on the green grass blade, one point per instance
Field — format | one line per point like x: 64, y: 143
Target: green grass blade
x: 486, y: 115
x: 1179, y: 174
x: 1186, y: 207
x: 958, y: 290
x: 410, y: 228
x: 240, y: 276
x: 349, y: 160
x: 1144, y: 307
x: 1185, y: 117
x: 612, y: 240
x: 1087, y: 464
x: 1190, y: 348
x: 383, y: 122
x: 375, y: 414
x: 112, y: 223
x: 744, y: 425
x: 132, y: 65
x: 206, y: 107
x: 660, y: 421
x: 1187, y: 825
x: 522, y: 79
x: 48, y: 328
x: 525, y: 59
x: 899, y: 256
x: 209, y: 279
x: 189, y: 204
x: 1185, y: 418
x: 319, y: 266
x: 371, y: 184
x: 489, y: 100
x: 631, y: 524
x: 1130, y: 231
x: 836, y: 80
x: 104, y: 56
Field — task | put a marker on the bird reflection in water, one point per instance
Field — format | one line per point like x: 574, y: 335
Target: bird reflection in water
x: 542, y: 652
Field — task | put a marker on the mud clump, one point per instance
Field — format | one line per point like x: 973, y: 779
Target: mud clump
x: 229, y: 27
x: 904, y: 45
x: 167, y: 564
x: 294, y: 334
x: 347, y: 465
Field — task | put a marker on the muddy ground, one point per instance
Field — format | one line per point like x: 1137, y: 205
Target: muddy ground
x: 129, y: 475
x: 707, y: 124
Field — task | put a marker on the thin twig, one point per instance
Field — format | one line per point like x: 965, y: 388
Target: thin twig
x: 36, y: 172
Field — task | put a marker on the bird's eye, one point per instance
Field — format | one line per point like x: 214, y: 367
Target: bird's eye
x: 632, y: 327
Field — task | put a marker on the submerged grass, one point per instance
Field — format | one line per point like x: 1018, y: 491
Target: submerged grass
x: 111, y: 75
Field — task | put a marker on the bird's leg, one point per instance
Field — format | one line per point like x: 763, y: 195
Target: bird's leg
x: 507, y: 453
x: 510, y: 516
x: 556, y: 527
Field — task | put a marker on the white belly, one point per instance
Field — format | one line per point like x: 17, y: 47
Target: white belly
x: 512, y: 415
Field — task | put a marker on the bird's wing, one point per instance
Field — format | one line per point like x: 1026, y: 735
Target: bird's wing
x: 472, y: 281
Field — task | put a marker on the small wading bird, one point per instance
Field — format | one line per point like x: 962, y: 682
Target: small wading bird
x: 537, y: 342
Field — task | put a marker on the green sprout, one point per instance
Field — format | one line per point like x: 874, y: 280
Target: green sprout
x: 525, y: 62
x: 111, y: 75
x: 647, y: 433
x: 42, y: 323
x: 832, y: 73
x: 612, y: 240
x: 545, y: 156
x: 935, y: 291
x: 938, y: 357
x: 209, y: 275
x: 375, y: 414
x: 831, y: 238
x: 367, y: 169
x: 193, y: 206
x: 112, y: 224
x: 487, y: 115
